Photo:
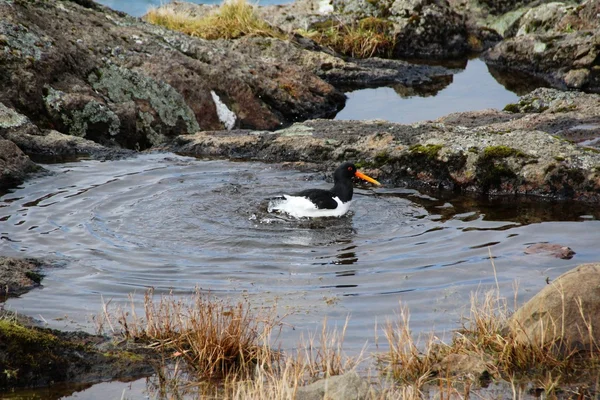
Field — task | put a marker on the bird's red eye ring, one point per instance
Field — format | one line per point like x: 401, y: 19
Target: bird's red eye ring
x: 349, y: 168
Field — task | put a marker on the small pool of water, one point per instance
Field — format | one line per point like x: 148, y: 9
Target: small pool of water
x: 175, y: 223
x: 472, y: 89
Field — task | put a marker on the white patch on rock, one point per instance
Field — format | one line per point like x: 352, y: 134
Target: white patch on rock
x: 325, y: 7
x: 226, y: 116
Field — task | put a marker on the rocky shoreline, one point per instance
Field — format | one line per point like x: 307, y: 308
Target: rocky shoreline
x: 78, y: 79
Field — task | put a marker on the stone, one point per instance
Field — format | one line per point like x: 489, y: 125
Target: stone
x: 557, y: 42
x: 119, y: 81
x: 551, y: 249
x: 566, y: 313
x: 462, y: 365
x: 15, y: 166
x: 17, y: 276
x: 349, y: 386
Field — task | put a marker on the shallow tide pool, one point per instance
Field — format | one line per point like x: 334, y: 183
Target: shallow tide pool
x: 175, y: 223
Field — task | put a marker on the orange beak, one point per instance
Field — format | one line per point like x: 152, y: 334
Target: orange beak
x: 366, y: 178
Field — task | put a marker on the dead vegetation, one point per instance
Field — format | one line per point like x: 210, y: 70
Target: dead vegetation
x: 232, y: 20
x: 221, y: 349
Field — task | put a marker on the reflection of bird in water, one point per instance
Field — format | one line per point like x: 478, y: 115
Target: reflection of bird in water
x: 334, y: 202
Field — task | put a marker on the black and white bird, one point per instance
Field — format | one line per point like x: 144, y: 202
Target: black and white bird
x: 334, y: 202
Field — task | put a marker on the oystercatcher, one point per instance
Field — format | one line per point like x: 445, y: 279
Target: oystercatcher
x: 334, y: 202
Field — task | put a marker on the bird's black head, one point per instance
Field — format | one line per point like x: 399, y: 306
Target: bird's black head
x: 346, y: 171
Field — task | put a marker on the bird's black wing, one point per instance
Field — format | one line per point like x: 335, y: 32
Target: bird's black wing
x: 323, y: 199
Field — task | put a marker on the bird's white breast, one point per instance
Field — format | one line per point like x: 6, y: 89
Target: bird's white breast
x: 299, y: 207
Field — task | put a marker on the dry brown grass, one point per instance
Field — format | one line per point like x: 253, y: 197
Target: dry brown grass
x: 205, y: 337
x: 216, y: 348
x: 232, y: 20
x: 368, y: 37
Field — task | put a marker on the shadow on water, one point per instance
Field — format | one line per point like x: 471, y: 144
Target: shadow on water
x: 518, y: 210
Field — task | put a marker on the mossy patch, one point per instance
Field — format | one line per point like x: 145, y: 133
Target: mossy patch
x: 512, y: 108
x: 31, y: 356
x: 502, y: 152
x: 36, y: 277
x: 430, y: 151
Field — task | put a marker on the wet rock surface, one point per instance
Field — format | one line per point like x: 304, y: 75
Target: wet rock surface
x: 490, y: 152
x: 17, y: 276
x: 15, y: 166
x: 31, y: 356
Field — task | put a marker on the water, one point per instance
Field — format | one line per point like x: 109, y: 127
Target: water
x: 472, y: 89
x: 175, y: 223
x: 137, y: 8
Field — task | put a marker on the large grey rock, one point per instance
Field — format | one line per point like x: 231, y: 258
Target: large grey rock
x: 565, y: 313
x: 349, y: 386
x: 100, y: 75
x: 557, y: 42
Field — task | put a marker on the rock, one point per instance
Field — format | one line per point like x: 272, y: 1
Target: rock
x: 15, y: 166
x: 420, y: 28
x: 556, y: 314
x: 543, y: 19
x: 349, y: 386
x: 17, y: 276
x: 100, y: 75
x: 557, y: 42
x: 554, y: 250
x: 35, y: 142
x: 342, y: 72
x: 33, y: 357
x: 428, y: 28
x: 462, y: 365
x: 490, y: 152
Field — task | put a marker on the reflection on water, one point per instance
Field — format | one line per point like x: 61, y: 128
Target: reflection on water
x: 476, y: 88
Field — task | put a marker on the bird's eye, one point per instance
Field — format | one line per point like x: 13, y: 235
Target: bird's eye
x: 349, y: 168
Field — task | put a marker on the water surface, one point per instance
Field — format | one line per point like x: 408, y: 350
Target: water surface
x: 175, y: 223
x: 472, y: 89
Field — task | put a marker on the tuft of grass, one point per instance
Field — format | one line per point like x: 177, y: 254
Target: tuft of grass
x: 365, y: 38
x: 405, y: 362
x: 232, y: 20
x: 206, y: 338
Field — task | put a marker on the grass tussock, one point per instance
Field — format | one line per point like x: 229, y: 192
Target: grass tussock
x: 206, y: 338
x: 215, y: 348
x: 232, y: 20
x: 365, y: 38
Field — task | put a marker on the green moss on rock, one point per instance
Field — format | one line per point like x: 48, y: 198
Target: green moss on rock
x: 502, y: 152
x: 430, y: 151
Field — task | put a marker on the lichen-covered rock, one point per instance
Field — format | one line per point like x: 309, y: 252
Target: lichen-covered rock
x: 93, y: 73
x: 543, y: 18
x: 566, y: 313
x: 428, y: 28
x: 567, y: 60
x: 490, y: 152
x: 557, y: 42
